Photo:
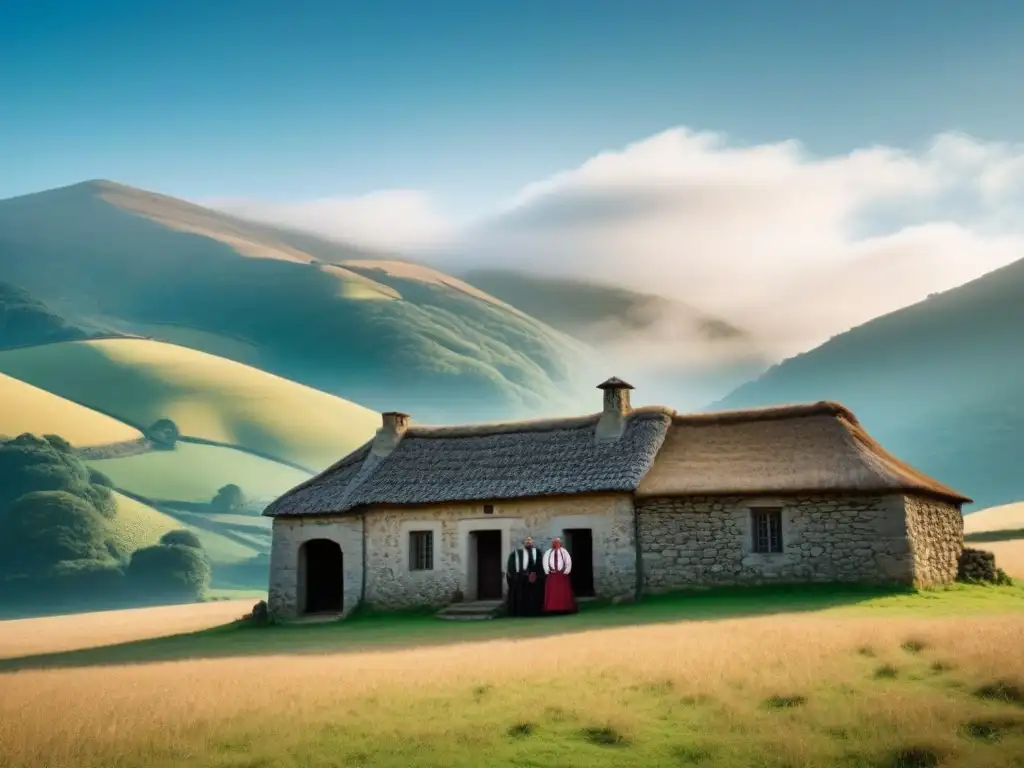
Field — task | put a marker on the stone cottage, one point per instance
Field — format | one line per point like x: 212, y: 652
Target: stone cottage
x: 646, y: 499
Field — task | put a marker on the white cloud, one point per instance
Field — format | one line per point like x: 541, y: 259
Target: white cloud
x: 795, y: 247
x: 390, y: 219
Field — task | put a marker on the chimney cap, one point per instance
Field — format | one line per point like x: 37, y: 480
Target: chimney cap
x: 615, y: 383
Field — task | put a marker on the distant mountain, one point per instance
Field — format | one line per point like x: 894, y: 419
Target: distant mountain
x: 683, y: 355
x: 386, y: 334
x: 941, y: 383
x: 588, y: 310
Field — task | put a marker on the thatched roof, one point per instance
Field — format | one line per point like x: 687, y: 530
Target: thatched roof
x: 813, y: 448
x: 816, y: 448
x: 433, y: 465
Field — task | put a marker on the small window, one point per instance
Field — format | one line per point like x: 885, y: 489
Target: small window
x: 488, y: 509
x: 421, y: 550
x: 767, y: 525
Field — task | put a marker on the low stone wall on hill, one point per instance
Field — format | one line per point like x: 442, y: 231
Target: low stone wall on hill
x: 115, y: 450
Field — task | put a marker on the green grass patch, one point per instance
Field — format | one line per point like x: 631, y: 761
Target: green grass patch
x: 138, y: 525
x: 194, y: 473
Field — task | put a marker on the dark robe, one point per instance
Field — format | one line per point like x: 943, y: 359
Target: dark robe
x: 525, y: 597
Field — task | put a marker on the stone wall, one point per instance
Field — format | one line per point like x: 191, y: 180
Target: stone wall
x: 706, y: 541
x: 391, y: 584
x: 287, y: 589
x: 936, y: 532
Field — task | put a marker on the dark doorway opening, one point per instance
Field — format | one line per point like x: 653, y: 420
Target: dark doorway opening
x: 488, y: 565
x: 580, y: 543
x: 325, y: 576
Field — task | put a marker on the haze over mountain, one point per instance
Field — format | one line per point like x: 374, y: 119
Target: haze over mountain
x: 377, y: 329
x: 790, y: 245
x: 386, y: 334
x: 940, y: 383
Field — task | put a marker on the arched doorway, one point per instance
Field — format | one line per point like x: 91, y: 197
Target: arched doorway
x: 325, y: 579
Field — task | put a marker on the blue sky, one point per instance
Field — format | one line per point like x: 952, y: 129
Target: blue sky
x: 471, y: 100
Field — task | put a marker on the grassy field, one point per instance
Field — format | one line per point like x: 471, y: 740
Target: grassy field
x: 29, y: 409
x: 210, y: 397
x: 193, y: 472
x: 139, y: 525
x: 1000, y: 530
x: 1006, y: 517
x: 770, y: 678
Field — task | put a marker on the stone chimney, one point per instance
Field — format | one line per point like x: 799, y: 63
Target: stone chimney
x: 616, y: 408
x: 390, y: 433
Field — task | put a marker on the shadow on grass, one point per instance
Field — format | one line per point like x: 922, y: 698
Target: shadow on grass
x: 368, y: 631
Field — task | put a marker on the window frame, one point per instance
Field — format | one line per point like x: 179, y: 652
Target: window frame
x: 771, y: 514
x: 421, y: 551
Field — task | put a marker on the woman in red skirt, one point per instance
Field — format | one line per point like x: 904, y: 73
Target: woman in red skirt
x: 558, y: 595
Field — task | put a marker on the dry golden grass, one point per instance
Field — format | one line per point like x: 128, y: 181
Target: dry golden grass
x: 23, y: 637
x: 675, y: 694
x: 1007, y: 517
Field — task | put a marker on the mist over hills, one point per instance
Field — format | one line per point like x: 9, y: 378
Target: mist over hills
x: 940, y: 383
x: 381, y: 331
x: 385, y: 334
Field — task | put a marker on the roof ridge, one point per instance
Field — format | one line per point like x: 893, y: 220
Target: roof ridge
x: 767, y: 413
x: 484, y: 429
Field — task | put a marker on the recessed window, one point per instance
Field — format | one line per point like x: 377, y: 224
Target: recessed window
x: 488, y: 509
x: 421, y: 550
x: 767, y: 527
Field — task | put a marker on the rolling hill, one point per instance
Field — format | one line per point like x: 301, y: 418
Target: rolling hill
x: 193, y: 473
x: 1005, y: 517
x: 25, y: 320
x: 940, y: 383
x: 139, y: 381
x: 25, y: 408
x: 383, y: 334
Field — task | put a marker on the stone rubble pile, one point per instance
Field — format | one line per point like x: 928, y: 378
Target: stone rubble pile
x: 977, y: 565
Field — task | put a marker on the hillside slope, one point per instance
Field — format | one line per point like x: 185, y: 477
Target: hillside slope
x: 683, y: 355
x: 941, y: 383
x: 102, y: 254
x: 26, y: 408
x: 141, y: 381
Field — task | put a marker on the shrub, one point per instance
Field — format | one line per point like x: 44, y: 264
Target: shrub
x: 163, y: 433
x: 170, y: 572
x: 43, y: 528
x: 181, y: 538
x: 228, y: 498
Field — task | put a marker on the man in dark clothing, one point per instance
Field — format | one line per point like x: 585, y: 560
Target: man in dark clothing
x: 524, y: 573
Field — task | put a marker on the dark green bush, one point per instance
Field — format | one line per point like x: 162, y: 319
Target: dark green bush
x: 44, y: 528
x: 181, y: 538
x: 169, y: 572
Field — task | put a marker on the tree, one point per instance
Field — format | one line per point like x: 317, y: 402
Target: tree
x: 181, y: 538
x: 29, y: 463
x: 163, y: 434
x: 44, y: 528
x: 169, y: 572
x: 228, y: 498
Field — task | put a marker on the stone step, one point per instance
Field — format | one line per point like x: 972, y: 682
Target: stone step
x: 480, y: 609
